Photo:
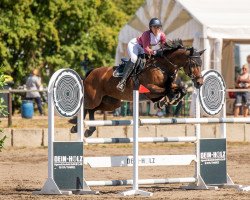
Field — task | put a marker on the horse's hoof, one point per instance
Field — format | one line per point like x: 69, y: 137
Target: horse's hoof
x: 88, y: 133
x: 73, y: 120
x: 73, y: 129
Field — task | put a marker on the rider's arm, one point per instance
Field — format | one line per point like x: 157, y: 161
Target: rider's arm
x: 159, y: 52
x: 144, y: 41
x: 163, y: 38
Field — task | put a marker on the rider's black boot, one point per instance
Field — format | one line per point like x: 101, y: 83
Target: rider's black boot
x: 127, y: 71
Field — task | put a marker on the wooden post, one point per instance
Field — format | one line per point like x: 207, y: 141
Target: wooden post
x: 9, y: 109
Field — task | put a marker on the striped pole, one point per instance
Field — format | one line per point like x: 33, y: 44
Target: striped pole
x: 141, y: 181
x: 142, y: 140
x: 163, y: 121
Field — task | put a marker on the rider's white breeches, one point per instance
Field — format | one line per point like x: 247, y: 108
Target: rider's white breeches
x: 134, y: 49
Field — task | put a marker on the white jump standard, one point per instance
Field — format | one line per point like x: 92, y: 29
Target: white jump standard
x: 65, y: 159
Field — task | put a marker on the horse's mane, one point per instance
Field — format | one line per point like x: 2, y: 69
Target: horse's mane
x: 174, y: 44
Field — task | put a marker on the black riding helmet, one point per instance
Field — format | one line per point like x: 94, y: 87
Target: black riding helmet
x: 154, y: 22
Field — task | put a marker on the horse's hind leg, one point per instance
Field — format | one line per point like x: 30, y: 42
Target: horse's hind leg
x: 91, y: 130
x: 109, y: 104
x: 74, y: 121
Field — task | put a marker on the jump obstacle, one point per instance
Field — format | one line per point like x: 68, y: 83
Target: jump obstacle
x: 66, y: 159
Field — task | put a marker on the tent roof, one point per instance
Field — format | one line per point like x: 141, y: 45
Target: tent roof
x: 219, y: 13
x: 185, y: 18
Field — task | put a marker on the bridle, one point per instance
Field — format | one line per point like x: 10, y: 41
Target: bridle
x: 191, y: 63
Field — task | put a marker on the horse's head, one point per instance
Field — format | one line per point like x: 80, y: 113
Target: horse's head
x: 179, y: 56
x: 192, y: 66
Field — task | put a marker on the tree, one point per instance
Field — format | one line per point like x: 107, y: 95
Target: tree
x: 57, y: 33
x: 130, y: 6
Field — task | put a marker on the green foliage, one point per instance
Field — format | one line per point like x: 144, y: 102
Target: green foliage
x: 183, y: 76
x: 129, y: 6
x: 2, y: 142
x: 57, y: 33
x: 2, y: 107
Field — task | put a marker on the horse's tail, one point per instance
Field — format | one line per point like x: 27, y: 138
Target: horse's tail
x: 87, y: 73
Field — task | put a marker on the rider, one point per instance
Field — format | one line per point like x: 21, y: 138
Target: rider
x: 149, y: 42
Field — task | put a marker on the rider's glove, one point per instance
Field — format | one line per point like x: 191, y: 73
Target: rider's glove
x: 159, y: 53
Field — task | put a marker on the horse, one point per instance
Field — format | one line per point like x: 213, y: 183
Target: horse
x: 157, y: 76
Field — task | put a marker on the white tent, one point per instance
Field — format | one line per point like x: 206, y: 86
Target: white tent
x: 214, y: 25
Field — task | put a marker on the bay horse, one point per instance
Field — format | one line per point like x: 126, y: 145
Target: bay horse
x: 157, y: 76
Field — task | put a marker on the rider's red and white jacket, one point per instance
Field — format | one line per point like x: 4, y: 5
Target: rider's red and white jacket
x: 150, y: 42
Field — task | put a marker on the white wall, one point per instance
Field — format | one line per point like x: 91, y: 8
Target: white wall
x: 244, y: 52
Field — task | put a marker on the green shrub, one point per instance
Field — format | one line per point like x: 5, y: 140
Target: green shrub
x: 2, y: 142
x: 3, y: 111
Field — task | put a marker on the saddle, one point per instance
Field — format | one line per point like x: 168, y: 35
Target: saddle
x: 139, y: 65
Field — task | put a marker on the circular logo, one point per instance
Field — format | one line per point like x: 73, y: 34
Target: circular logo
x: 212, y: 92
x: 68, y: 93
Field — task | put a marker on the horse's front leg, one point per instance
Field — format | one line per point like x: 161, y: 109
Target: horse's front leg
x: 156, y: 91
x: 158, y: 94
x: 181, y: 92
x: 173, y: 97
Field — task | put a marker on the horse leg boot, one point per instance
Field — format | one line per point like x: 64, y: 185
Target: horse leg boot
x: 182, y: 92
x: 74, y: 121
x: 91, y: 130
x: 127, y: 71
x: 172, y: 98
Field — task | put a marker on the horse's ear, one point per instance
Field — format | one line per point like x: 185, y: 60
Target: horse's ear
x: 190, y: 51
x: 201, y: 52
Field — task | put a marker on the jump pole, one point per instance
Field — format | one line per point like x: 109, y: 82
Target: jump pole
x: 135, y: 190
x: 165, y: 121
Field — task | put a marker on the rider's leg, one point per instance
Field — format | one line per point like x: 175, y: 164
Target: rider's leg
x: 127, y: 71
x: 133, y: 50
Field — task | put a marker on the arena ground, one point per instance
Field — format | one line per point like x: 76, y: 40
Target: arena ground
x: 24, y: 170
